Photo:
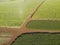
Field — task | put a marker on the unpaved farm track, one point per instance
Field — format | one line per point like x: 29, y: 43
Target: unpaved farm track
x: 18, y: 31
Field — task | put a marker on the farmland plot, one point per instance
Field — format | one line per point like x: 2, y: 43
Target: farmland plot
x: 47, y: 16
x: 14, y: 13
x: 50, y: 9
x: 44, y: 25
x: 38, y: 39
x: 5, y: 37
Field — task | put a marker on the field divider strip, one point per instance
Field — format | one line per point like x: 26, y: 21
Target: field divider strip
x: 47, y: 19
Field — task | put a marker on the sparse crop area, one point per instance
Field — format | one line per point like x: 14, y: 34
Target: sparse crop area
x: 5, y: 37
x: 38, y: 39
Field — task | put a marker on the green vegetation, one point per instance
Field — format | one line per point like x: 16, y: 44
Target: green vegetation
x: 9, y: 14
x: 5, y: 37
x: 47, y: 16
x: 38, y: 39
x: 50, y: 9
x: 44, y: 25
x: 14, y: 13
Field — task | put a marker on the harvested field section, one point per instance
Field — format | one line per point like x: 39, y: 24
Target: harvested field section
x: 5, y: 37
x: 38, y: 39
x: 44, y: 25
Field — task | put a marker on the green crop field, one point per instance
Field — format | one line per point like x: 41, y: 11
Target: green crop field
x: 9, y: 14
x: 14, y: 13
x: 47, y: 16
x: 38, y: 39
x: 44, y: 25
x: 50, y: 9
